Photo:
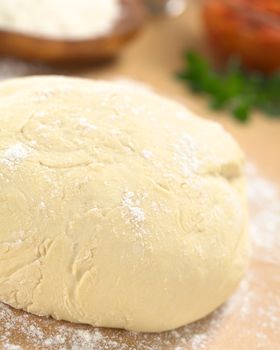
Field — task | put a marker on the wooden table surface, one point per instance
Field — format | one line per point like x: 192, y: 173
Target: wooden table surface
x: 152, y: 59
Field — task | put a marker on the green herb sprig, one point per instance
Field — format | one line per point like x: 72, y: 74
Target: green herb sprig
x: 234, y: 89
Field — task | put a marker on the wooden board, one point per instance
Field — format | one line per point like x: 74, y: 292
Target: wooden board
x: 251, y: 319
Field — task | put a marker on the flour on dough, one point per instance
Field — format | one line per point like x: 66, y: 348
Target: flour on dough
x: 119, y: 208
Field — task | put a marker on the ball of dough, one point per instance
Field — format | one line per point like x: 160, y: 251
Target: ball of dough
x: 118, y: 207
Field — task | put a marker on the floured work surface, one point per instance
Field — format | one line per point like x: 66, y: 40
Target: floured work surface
x: 249, y: 320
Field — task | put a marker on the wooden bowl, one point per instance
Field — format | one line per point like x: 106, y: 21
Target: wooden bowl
x: 49, y: 50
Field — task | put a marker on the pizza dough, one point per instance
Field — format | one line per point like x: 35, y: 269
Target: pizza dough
x: 118, y: 207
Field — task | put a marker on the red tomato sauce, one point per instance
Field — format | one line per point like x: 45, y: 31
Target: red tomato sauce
x: 249, y: 29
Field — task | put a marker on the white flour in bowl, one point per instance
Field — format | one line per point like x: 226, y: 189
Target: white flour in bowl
x: 64, y: 19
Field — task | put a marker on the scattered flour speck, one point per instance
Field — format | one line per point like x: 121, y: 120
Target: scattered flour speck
x: 14, y: 155
x: 16, y: 152
x: 185, y: 154
x: 84, y: 122
x: 136, y: 213
x: 147, y: 154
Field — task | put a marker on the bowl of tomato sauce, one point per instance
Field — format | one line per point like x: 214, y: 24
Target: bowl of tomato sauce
x: 247, y: 29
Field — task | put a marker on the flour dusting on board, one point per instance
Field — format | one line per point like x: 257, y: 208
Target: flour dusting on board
x: 265, y: 204
x: 235, y: 317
